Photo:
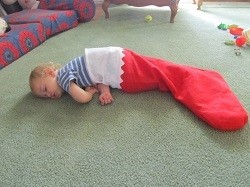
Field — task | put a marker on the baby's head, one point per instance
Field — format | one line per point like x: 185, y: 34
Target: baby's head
x: 43, y: 81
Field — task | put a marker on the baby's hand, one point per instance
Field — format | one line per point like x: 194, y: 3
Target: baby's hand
x: 105, y: 98
x: 91, y: 89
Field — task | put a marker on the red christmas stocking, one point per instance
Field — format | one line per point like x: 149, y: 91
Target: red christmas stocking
x: 204, y: 92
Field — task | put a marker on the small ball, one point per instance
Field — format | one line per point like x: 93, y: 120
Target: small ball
x: 148, y: 18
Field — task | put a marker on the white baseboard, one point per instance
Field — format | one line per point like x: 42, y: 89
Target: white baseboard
x: 98, y: 1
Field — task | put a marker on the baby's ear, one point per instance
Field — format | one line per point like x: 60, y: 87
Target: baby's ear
x: 49, y: 71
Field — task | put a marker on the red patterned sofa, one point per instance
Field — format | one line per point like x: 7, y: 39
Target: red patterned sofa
x: 30, y: 28
x: 20, y: 40
x: 85, y: 9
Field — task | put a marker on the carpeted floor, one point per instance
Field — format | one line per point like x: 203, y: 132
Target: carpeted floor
x: 145, y: 139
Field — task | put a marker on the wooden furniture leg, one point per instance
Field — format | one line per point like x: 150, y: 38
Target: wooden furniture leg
x: 139, y: 3
x: 199, y: 3
x: 105, y: 6
x: 174, y: 9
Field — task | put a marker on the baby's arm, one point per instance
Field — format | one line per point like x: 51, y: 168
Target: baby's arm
x: 105, y: 95
x: 80, y: 95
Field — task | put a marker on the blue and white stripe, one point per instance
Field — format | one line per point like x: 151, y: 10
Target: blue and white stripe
x: 76, y: 71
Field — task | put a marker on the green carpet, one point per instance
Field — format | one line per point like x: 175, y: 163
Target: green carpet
x: 144, y: 139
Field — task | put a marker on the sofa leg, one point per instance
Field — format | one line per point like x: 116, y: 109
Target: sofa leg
x: 105, y: 6
x: 173, y: 9
x: 199, y: 3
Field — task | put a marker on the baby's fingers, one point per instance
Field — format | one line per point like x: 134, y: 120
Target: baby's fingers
x: 104, y: 100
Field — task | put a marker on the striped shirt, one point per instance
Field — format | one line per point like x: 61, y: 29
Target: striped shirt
x: 75, y: 71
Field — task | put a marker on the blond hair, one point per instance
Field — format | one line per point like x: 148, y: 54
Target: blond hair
x: 39, y: 71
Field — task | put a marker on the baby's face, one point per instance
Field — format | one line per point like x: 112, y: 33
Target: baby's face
x: 46, y: 87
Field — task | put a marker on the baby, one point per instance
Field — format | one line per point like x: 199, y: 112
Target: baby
x: 45, y: 82
x: 204, y: 92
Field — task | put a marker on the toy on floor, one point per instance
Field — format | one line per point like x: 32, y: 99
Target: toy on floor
x: 222, y: 26
x: 246, y: 35
x: 236, y: 31
x: 240, y: 41
x: 148, y: 18
x: 241, y: 36
x: 229, y: 42
x: 237, y: 51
